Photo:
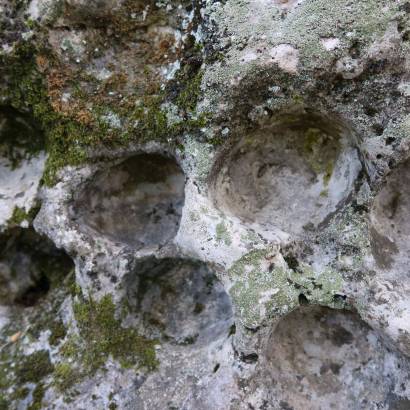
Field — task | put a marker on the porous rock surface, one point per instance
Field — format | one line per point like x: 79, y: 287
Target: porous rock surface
x: 205, y: 205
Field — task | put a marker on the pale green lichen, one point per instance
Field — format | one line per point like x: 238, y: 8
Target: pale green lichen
x: 359, y: 23
x: 251, y: 238
x: 201, y: 154
x: 194, y: 217
x: 400, y: 130
x: 263, y: 291
x: 222, y: 234
x: 405, y: 126
x: 363, y: 20
x: 318, y: 287
x: 304, y: 27
x: 352, y: 230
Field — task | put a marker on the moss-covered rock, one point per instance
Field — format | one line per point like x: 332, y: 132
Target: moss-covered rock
x: 34, y: 367
x: 103, y: 335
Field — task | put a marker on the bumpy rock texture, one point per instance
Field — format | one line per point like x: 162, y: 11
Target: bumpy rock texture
x: 205, y: 204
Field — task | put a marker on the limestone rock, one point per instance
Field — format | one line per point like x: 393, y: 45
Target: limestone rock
x: 204, y: 204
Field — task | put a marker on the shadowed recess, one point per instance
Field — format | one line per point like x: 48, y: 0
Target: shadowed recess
x: 390, y: 229
x: 137, y: 202
x: 332, y: 359
x: 20, y: 136
x: 179, y: 301
x: 30, y: 265
x: 181, y: 304
x: 291, y: 173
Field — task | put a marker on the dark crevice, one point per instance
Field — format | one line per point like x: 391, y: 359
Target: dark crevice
x: 30, y: 265
x: 20, y: 135
x: 292, y: 261
x: 249, y: 358
x: 303, y: 300
x: 34, y: 292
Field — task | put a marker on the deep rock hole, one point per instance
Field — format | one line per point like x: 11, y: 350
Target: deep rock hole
x: 20, y: 136
x: 137, y: 202
x: 30, y: 265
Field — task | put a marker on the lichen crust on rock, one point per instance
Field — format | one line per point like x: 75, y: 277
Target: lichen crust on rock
x: 204, y: 205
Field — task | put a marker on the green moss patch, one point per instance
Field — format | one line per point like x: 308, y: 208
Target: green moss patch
x: 65, y: 376
x: 101, y: 335
x: 34, y: 367
x: 38, y: 394
x: 35, y: 82
x: 104, y: 335
x: 20, y: 215
x: 58, y: 332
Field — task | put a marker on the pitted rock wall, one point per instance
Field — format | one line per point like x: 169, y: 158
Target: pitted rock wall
x: 204, y: 204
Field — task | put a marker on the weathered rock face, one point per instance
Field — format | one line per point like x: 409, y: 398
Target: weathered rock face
x: 204, y: 204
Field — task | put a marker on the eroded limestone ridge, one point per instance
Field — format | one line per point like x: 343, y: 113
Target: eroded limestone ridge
x: 204, y: 205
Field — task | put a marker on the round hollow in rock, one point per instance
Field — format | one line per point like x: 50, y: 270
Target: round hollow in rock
x: 290, y: 174
x: 180, y: 301
x: 390, y: 230
x: 182, y: 305
x: 332, y: 359
x: 137, y: 202
x: 30, y: 265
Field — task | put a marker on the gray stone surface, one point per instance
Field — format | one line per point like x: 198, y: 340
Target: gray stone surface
x: 204, y: 205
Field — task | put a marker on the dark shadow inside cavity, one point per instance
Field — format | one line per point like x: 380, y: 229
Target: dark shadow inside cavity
x: 179, y: 301
x: 291, y: 173
x: 30, y: 265
x: 137, y: 202
x: 20, y: 136
x: 333, y: 359
x: 390, y: 228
